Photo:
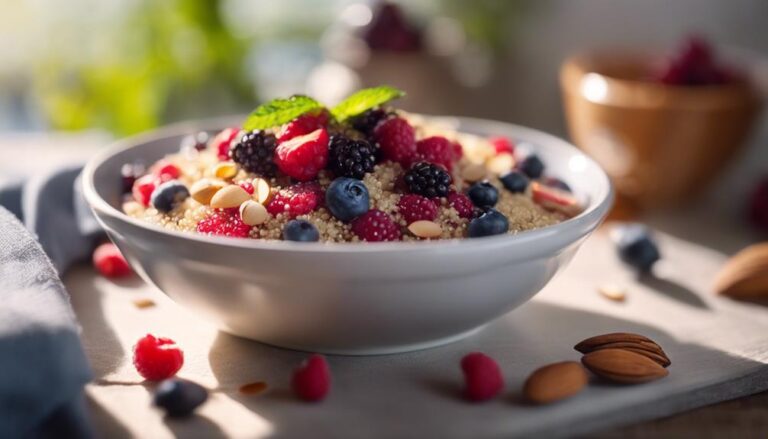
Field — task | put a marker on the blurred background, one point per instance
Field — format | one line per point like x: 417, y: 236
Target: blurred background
x: 111, y: 68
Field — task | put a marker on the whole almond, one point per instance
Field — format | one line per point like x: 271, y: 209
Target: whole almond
x: 473, y: 172
x: 745, y: 275
x: 501, y: 163
x: 230, y: 196
x: 261, y: 190
x: 203, y: 190
x: 622, y: 366
x: 588, y: 344
x: 253, y: 213
x: 555, y: 382
x: 662, y: 359
x: 425, y: 229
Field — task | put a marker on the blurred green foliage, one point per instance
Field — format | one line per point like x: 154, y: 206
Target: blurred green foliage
x: 166, y: 60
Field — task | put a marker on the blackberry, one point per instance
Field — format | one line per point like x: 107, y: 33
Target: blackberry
x: 255, y: 152
x: 428, y: 179
x: 366, y: 122
x: 351, y: 158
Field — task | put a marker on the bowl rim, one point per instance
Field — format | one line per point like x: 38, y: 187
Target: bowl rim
x: 579, y: 225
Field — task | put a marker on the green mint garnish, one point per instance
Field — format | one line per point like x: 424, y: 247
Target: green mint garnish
x: 363, y: 100
x: 279, y: 111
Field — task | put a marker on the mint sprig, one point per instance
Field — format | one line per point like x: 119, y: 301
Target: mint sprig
x: 363, y: 100
x: 279, y: 111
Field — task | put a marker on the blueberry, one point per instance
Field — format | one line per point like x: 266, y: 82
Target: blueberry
x: 490, y: 222
x: 300, y: 230
x: 515, y: 181
x: 179, y: 397
x: 532, y: 166
x: 636, y: 246
x: 168, y: 195
x: 483, y: 194
x: 556, y: 183
x: 347, y: 198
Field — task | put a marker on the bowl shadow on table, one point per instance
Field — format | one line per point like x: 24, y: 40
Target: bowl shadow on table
x: 363, y: 385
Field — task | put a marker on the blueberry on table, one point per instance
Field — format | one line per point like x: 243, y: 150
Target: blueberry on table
x: 483, y: 194
x: 169, y: 195
x: 178, y: 397
x: 636, y: 246
x: 490, y: 222
x: 515, y: 182
x: 532, y: 166
x: 301, y: 231
x: 347, y: 198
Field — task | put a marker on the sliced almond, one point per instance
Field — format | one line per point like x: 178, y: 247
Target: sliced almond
x: 253, y: 388
x: 225, y: 170
x: 612, y: 292
x: 143, y: 303
x: 229, y: 196
x: 501, y: 164
x: 589, y: 344
x: 203, y: 190
x: 622, y: 366
x: 261, y: 190
x: 425, y: 229
x: 555, y: 382
x: 473, y: 172
x: 253, y: 213
x: 745, y: 275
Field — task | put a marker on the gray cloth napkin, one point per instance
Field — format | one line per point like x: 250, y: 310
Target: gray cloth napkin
x: 42, y: 364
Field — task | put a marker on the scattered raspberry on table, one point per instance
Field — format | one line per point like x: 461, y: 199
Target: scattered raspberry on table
x: 157, y: 358
x: 482, y: 377
x: 312, y: 380
x: 110, y: 262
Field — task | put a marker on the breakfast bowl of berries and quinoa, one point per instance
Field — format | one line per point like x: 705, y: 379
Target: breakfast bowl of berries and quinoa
x: 359, y: 229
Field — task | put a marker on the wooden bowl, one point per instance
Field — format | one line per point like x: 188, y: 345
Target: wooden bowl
x: 662, y: 145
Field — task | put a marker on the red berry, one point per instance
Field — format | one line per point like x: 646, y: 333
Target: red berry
x: 165, y: 170
x: 248, y: 187
x: 299, y: 199
x: 461, y: 203
x: 304, y: 124
x: 222, y: 142
x: 304, y: 156
x: 312, y: 380
x: 397, y: 140
x: 438, y: 150
x: 482, y: 377
x: 502, y: 145
x: 458, y: 151
x: 375, y: 226
x: 416, y: 208
x: 758, y: 208
x: 110, y: 262
x: 226, y: 223
x: 157, y: 358
x: 143, y: 188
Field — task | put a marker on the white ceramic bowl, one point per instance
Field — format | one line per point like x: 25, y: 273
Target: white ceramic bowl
x: 348, y: 298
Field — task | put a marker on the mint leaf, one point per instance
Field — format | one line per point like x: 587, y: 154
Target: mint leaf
x: 365, y: 99
x: 279, y: 111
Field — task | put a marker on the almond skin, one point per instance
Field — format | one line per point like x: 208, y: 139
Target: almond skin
x: 589, y: 344
x: 745, y: 275
x: 555, y: 382
x: 623, y: 366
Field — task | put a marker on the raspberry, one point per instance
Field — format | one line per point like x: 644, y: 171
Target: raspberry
x: 302, y: 125
x: 157, y: 358
x: 366, y: 123
x: 304, y: 156
x: 397, y: 140
x: 482, y: 377
x: 223, y: 141
x: 166, y: 171
x: 458, y: 151
x: 312, y: 380
x: 427, y: 179
x: 143, y: 188
x: 248, y: 187
x: 351, y: 158
x: 299, y: 199
x: 417, y: 208
x: 255, y: 152
x: 502, y: 145
x: 461, y: 203
x: 375, y: 226
x: 226, y: 222
x: 110, y: 262
x: 436, y: 149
